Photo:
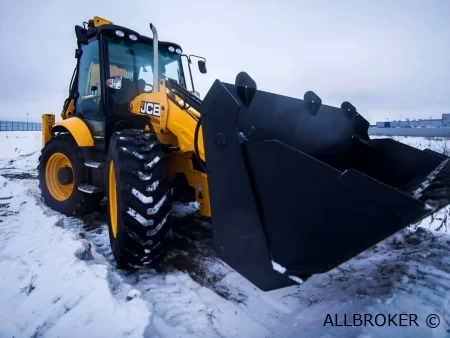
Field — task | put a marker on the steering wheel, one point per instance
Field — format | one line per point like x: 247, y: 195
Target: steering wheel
x: 148, y: 85
x: 145, y: 85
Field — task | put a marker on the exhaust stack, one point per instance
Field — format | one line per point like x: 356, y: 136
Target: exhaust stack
x: 155, y: 58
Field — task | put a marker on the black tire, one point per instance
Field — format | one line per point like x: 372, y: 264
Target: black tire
x: 141, y: 237
x: 78, y: 203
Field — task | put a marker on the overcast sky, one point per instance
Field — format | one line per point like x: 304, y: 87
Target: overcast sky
x: 386, y: 57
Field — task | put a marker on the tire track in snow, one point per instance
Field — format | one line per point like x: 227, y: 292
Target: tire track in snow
x: 190, y: 268
x: 184, y: 292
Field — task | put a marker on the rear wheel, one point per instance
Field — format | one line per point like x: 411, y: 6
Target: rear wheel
x: 139, y: 198
x: 61, y: 170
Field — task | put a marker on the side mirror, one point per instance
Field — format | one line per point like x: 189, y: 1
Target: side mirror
x: 81, y: 34
x: 202, y: 66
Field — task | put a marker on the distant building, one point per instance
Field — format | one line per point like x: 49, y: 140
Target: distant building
x: 446, y: 120
x: 436, y: 123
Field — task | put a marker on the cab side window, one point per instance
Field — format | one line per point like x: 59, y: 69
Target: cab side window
x: 87, y: 105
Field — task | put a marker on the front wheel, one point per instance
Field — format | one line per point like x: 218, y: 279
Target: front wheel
x: 61, y: 170
x: 139, y: 198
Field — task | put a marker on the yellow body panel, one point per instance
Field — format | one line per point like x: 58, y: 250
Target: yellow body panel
x: 48, y: 121
x: 173, y: 122
x: 78, y: 130
x: 196, y: 179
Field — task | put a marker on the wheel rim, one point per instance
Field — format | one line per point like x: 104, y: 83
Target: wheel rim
x: 112, y: 198
x: 59, y: 191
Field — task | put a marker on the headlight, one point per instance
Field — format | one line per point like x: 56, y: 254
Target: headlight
x: 178, y: 50
x: 133, y: 37
x: 120, y: 33
x: 171, y: 49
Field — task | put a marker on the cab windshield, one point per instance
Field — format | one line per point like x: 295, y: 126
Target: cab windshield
x: 134, y: 62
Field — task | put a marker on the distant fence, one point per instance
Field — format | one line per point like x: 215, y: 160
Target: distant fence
x: 19, y: 126
x: 421, y: 132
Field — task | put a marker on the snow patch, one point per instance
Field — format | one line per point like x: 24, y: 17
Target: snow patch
x: 153, y: 186
x: 134, y: 153
x: 183, y: 210
x: 424, y: 185
x: 141, y: 197
x: 151, y: 164
x: 155, y: 209
x: 148, y: 147
x: 138, y: 217
x: 430, y: 205
x: 142, y: 176
x: 159, y: 226
x: 133, y: 294
x: 278, y: 267
x: 296, y: 279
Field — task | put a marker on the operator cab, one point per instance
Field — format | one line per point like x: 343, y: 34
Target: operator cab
x: 115, y: 64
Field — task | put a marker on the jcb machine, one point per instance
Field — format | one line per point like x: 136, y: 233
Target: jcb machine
x: 287, y: 181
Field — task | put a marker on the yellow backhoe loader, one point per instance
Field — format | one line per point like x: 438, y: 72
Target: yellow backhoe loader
x: 285, y: 180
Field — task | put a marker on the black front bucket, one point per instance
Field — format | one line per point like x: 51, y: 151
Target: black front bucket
x: 301, y: 184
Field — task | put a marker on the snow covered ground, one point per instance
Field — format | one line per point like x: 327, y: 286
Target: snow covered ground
x: 48, y: 287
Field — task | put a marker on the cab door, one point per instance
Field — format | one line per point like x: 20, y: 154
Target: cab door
x: 89, y: 102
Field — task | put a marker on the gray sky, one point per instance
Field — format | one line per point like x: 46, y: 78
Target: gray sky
x: 386, y: 57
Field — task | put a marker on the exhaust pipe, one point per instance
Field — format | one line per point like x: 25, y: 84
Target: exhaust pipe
x: 155, y: 58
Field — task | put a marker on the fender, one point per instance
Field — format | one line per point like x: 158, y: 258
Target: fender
x: 78, y: 129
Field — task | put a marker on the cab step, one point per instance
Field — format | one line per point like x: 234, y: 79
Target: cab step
x: 94, y: 164
x: 89, y: 189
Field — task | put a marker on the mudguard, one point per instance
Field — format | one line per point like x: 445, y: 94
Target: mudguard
x: 78, y: 129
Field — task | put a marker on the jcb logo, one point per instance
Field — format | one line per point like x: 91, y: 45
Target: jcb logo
x: 150, y: 108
